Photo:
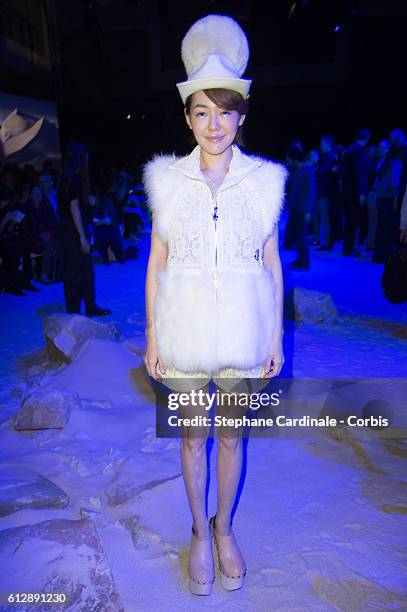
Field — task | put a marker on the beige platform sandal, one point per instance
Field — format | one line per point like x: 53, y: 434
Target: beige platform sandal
x: 201, y: 574
x: 231, y: 563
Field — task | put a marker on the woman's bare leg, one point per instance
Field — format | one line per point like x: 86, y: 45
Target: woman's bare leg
x: 229, y: 469
x: 194, y: 468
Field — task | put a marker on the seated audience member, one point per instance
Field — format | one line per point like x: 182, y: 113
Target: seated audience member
x: 46, y: 183
x: 11, y: 244
x: 31, y: 241
x: 106, y: 228
x: 41, y: 229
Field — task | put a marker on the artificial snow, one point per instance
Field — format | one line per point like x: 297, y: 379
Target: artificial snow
x: 99, y: 508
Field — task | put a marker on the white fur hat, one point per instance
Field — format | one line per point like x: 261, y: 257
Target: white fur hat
x: 215, y: 53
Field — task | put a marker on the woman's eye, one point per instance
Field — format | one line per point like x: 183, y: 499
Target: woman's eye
x: 226, y: 113
x: 201, y: 114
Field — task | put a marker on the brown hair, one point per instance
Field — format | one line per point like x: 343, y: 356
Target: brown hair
x: 228, y: 100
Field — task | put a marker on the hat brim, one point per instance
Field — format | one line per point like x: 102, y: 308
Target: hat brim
x: 186, y: 88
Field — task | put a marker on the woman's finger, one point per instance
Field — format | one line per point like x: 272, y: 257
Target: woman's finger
x: 274, y: 369
x: 161, y: 366
x: 153, y: 368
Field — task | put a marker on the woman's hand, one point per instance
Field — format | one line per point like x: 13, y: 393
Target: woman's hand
x: 152, y: 360
x: 85, y: 246
x: 275, y: 361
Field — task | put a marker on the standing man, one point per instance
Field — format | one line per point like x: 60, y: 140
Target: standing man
x: 356, y: 186
x: 300, y: 202
x: 403, y: 219
x: 74, y: 236
x: 387, y: 198
x: 322, y: 210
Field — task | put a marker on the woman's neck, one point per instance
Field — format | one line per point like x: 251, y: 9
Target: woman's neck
x: 217, y: 163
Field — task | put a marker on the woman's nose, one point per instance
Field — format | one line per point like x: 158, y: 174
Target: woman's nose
x: 214, y: 122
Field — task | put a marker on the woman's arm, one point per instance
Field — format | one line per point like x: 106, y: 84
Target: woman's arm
x: 157, y: 261
x: 77, y: 219
x: 271, y: 259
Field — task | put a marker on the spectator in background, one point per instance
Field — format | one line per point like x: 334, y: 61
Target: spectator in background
x: 120, y: 191
x: 31, y: 239
x: 11, y: 244
x: 74, y: 235
x: 336, y: 207
x: 324, y: 178
x: 387, y: 192
x: 376, y: 160
x: 312, y: 158
x: 355, y: 169
x: 41, y: 226
x: 288, y: 242
x: 46, y: 182
x: 403, y: 219
x: 300, y: 202
x: 106, y: 227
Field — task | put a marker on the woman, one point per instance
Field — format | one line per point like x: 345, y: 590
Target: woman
x: 73, y: 234
x: 214, y: 282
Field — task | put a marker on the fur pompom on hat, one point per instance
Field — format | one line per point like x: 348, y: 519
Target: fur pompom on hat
x: 215, y: 53
x: 215, y: 34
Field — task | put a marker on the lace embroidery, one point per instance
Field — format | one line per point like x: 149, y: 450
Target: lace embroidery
x: 238, y: 240
x: 186, y: 246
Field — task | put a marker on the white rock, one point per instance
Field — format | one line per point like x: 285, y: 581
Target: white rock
x: 22, y: 488
x: 309, y: 306
x: 46, y: 409
x: 65, y: 334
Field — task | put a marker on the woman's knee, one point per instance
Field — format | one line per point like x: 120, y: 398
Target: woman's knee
x: 230, y: 443
x: 195, y: 445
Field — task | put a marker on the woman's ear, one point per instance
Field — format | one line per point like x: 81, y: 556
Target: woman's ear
x: 187, y: 119
x: 241, y: 120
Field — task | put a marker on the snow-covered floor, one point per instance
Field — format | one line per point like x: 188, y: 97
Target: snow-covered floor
x: 321, y: 521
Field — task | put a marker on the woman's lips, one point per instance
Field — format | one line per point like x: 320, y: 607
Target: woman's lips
x: 215, y: 138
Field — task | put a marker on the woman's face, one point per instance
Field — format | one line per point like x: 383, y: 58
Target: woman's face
x: 214, y: 128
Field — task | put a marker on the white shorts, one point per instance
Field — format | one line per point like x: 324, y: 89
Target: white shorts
x: 227, y: 379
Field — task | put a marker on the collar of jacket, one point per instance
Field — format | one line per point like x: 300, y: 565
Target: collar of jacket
x: 240, y: 166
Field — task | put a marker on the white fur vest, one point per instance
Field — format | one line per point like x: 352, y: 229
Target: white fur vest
x: 215, y: 302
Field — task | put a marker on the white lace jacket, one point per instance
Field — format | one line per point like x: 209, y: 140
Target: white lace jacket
x: 215, y: 302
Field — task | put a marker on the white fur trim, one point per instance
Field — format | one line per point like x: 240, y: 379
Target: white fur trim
x: 215, y: 34
x: 268, y: 184
x: 228, y: 326
x: 159, y: 184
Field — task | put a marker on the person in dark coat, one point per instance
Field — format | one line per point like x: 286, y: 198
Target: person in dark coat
x: 74, y: 235
x: 355, y: 172
x: 322, y: 209
x: 300, y: 201
x: 387, y: 197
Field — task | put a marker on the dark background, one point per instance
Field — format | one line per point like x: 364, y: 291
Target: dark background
x: 317, y: 66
